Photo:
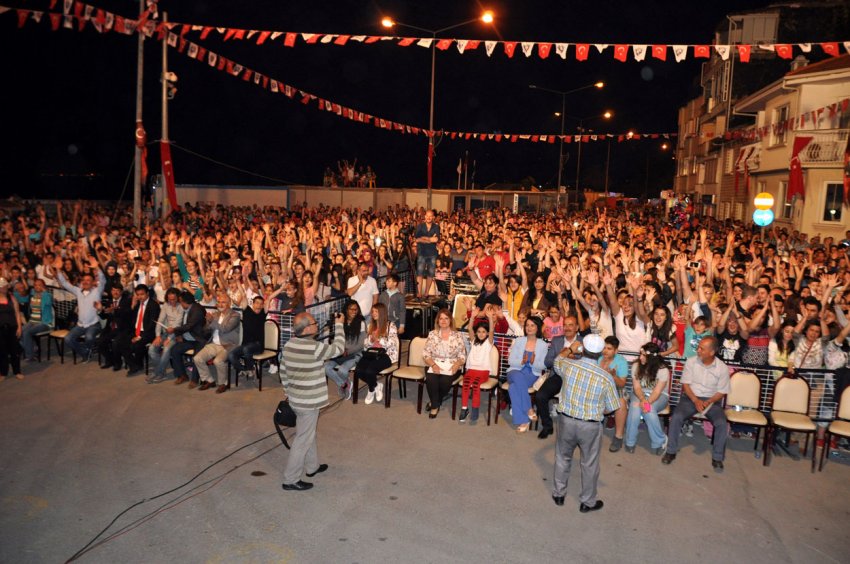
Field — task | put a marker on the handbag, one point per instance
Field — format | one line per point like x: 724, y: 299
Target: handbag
x: 373, y: 353
x: 284, y: 416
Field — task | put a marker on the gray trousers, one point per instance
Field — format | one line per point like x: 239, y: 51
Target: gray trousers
x: 587, y: 436
x: 304, y: 454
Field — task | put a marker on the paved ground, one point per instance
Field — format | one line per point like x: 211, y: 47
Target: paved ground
x: 80, y: 445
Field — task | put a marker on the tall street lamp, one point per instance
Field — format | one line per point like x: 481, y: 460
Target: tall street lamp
x: 581, y: 130
x: 487, y: 17
x: 562, y: 115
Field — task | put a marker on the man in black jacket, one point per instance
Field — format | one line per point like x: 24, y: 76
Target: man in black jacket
x: 191, y: 335
x: 133, y: 344
x: 115, y: 309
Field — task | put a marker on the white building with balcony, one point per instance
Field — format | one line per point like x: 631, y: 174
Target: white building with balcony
x: 764, y: 165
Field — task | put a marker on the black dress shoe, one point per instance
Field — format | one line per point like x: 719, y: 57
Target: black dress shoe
x: 588, y: 508
x: 298, y: 486
x: 319, y: 470
x: 105, y: 366
x: 558, y: 499
x: 545, y: 432
x: 116, y: 368
x: 668, y: 458
x: 717, y: 465
x: 133, y: 370
x: 205, y: 386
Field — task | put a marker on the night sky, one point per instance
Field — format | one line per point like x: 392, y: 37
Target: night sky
x: 70, y: 96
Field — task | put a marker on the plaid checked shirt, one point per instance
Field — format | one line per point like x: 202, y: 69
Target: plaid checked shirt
x: 588, y: 391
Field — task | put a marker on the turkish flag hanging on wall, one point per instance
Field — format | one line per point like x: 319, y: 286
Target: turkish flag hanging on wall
x: 168, y: 173
x: 796, y: 186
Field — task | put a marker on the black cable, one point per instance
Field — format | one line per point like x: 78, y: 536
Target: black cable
x: 226, y: 165
x: 124, y: 189
x: 88, y: 546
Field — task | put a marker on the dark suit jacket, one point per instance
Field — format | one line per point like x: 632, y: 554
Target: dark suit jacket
x: 196, y: 319
x: 122, y: 316
x: 148, y: 320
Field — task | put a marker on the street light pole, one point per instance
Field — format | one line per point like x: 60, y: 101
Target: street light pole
x: 578, y: 159
x: 607, y: 164
x: 486, y: 17
x: 561, y: 151
x: 137, y: 160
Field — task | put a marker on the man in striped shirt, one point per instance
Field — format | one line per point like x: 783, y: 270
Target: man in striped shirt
x: 587, y: 394
x: 302, y: 374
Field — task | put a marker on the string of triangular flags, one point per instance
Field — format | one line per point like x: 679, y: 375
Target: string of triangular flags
x: 580, y: 51
x: 104, y: 21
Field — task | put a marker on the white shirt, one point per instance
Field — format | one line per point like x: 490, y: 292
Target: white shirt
x: 479, y: 356
x: 631, y: 340
x: 364, y: 296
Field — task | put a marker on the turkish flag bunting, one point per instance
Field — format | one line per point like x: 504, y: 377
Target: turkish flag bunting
x: 184, y: 29
x: 784, y: 51
x: 342, y: 40
x: 247, y: 76
x: 551, y: 139
x: 206, y: 31
x: 372, y: 39
x: 847, y: 173
x: 472, y: 44
x: 22, y: 17
x: 311, y: 38
x: 659, y: 52
x: 830, y: 48
x: 621, y: 52
x: 543, y: 49
x: 744, y: 53
x: 702, y: 51
x: 444, y: 44
x: 534, y: 138
x: 229, y: 34
x: 289, y: 40
x: 498, y: 137
x: 510, y: 47
x: 54, y: 21
x: 796, y: 186
x: 406, y: 41
x: 240, y: 34
x: 52, y: 4
x: 582, y: 50
x: 262, y: 37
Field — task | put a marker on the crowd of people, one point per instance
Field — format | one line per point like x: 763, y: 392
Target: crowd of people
x: 348, y: 175
x: 705, y: 291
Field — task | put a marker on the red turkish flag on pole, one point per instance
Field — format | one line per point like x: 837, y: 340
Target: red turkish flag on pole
x: 796, y: 186
x: 744, y: 53
x: 168, y: 174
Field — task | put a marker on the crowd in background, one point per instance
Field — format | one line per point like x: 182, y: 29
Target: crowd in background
x: 348, y: 175
x: 770, y: 297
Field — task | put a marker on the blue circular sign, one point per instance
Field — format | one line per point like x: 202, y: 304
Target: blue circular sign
x: 763, y: 218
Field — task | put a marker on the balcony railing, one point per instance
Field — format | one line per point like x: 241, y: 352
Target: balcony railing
x: 826, y: 149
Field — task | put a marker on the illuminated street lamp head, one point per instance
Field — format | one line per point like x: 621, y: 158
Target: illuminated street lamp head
x: 664, y: 146
x: 387, y: 22
x: 608, y: 115
x: 557, y: 114
x: 487, y: 17
x: 599, y: 84
x: 630, y: 134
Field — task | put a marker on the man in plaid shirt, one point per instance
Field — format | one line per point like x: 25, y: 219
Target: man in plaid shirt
x: 587, y: 394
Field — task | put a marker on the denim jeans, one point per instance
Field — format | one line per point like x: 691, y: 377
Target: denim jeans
x: 82, y: 349
x: 242, y: 357
x: 519, y: 381
x: 27, y: 333
x: 161, y: 356
x: 337, y: 372
x: 653, y: 423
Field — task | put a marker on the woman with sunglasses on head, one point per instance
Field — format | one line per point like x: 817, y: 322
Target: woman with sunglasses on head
x: 649, y: 396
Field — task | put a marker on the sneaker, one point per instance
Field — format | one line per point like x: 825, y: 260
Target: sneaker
x: 616, y: 444
x: 474, y: 414
x: 157, y: 379
x: 662, y: 449
x: 464, y: 413
x: 379, y: 392
x: 688, y: 429
x: 630, y: 449
x: 273, y: 368
x: 370, y: 397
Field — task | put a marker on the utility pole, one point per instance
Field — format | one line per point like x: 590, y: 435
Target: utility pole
x: 137, y: 167
x: 164, y: 80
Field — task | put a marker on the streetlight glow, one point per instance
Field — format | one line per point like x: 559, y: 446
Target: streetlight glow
x: 487, y: 17
x: 599, y: 84
x: 608, y: 115
x: 557, y: 114
x: 664, y: 146
x: 387, y: 22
